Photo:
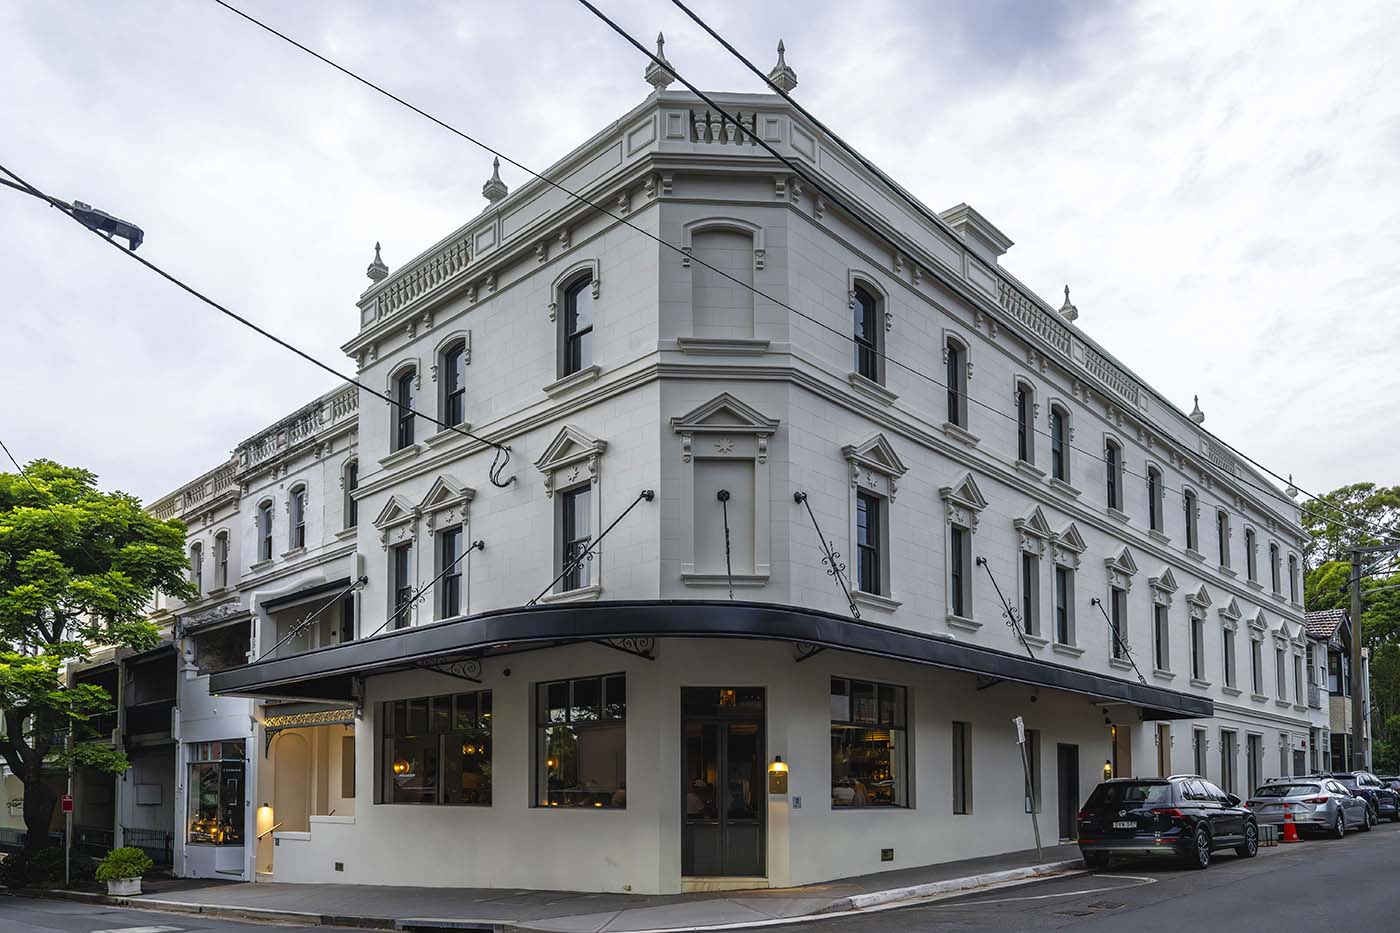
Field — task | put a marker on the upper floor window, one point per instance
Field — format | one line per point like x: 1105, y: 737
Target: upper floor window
x: 352, y: 482
x: 1154, y: 498
x: 955, y: 356
x: 1025, y: 423
x: 1064, y: 605
x: 1251, y: 560
x: 1274, y: 567
x: 197, y: 568
x: 1222, y: 536
x: 404, y: 387
x: 1059, y: 443
x: 1188, y: 505
x: 265, y: 530
x: 454, y: 383
x: 1118, y: 621
x: 296, y: 520
x: 450, y: 566
x: 1113, y: 464
x: 401, y: 577
x: 575, y: 506
x: 221, y: 560
x: 869, y: 573
x: 867, y: 334
x: 959, y: 571
x: 578, y: 324
x: 1293, y: 577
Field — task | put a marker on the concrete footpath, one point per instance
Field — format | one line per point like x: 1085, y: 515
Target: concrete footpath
x: 503, y: 909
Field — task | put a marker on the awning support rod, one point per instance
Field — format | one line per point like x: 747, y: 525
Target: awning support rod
x: 1013, y: 621
x: 417, y: 595
x: 586, y: 553
x: 1113, y: 630
x: 830, y: 556
x: 723, y: 497
x: 312, y: 618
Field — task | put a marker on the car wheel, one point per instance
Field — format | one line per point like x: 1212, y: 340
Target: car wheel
x: 1340, y: 829
x: 1250, y: 847
x: 1370, y: 820
x: 1096, y: 860
x: 1199, y: 856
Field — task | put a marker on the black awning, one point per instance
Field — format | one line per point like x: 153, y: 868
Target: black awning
x: 302, y: 595
x: 329, y: 673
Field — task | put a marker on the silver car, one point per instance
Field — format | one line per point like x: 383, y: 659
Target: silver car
x: 1317, y: 804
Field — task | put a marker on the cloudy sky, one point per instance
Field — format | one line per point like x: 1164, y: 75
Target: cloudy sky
x: 1217, y: 182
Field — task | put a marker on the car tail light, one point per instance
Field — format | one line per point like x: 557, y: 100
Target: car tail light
x: 1084, y: 814
x: 1315, y: 800
x: 1169, y: 811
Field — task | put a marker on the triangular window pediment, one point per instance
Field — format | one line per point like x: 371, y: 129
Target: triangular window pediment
x: 1070, y: 539
x: 1230, y: 610
x: 445, y: 493
x: 1123, y: 563
x: 572, y: 457
x: 876, y: 454
x: 396, y: 511
x: 1035, y: 524
x: 724, y: 413
x: 966, y: 493
x: 1259, y: 621
x: 1165, y: 580
x: 1201, y: 598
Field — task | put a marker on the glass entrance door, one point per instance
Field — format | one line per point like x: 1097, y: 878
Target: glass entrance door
x: 724, y: 794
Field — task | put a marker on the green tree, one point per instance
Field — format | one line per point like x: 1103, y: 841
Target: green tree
x: 78, y: 569
x: 1371, y: 518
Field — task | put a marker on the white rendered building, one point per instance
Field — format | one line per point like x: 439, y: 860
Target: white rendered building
x: 616, y: 729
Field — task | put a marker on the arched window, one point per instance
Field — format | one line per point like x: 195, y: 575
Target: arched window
x: 296, y: 519
x: 1273, y: 567
x: 1251, y: 559
x: 1113, y: 464
x: 352, y: 482
x: 955, y: 357
x: 1222, y: 536
x: 1293, y: 577
x: 1025, y: 423
x: 454, y: 382
x: 404, y: 386
x: 197, y: 568
x: 221, y: 560
x: 265, y: 530
x: 578, y: 324
x: 1059, y: 444
x: 867, y: 333
x: 1154, y: 498
x: 1188, y: 507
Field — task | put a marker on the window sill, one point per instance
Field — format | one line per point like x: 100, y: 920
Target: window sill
x: 447, y: 434
x: 1258, y: 698
x: 1163, y: 675
x: 962, y: 622
x: 872, y: 389
x: 1283, y: 704
x: 1035, y: 641
x: 1195, y: 555
x: 1060, y: 485
x: 1030, y: 469
x: 1121, y: 663
x: 959, y: 433
x: 1279, y: 597
x: 1299, y: 708
x: 875, y: 600
x: 722, y: 579
x: 581, y: 595
x: 403, y: 455
x: 1159, y: 536
x: 1254, y: 585
x: 293, y: 552
x: 572, y: 381
x: 1118, y: 514
x: 1231, y: 691
x: 216, y: 591
x: 260, y: 565
x: 722, y: 346
x: 1200, y: 684
x: 347, y: 532
x: 1069, y: 651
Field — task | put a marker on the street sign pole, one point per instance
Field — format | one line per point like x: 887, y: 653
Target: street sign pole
x: 1030, y: 786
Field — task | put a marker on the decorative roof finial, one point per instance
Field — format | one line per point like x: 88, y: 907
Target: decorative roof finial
x: 495, y: 189
x: 1197, y: 415
x: 377, y: 271
x: 1067, y: 310
x: 658, y: 77
x: 782, y: 74
x: 1291, y: 491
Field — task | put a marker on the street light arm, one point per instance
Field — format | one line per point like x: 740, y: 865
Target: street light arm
x: 95, y: 220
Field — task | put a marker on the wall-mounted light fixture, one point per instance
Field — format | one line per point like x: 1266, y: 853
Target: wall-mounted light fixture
x: 778, y: 776
x: 1107, y: 769
x: 401, y: 766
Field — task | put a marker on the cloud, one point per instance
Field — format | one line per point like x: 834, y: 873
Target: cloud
x: 1215, y: 181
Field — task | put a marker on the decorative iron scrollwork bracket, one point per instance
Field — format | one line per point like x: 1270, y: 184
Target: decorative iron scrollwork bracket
x: 468, y: 669
x: 643, y: 646
x: 802, y: 650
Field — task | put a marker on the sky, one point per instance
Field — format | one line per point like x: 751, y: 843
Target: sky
x: 1216, y: 182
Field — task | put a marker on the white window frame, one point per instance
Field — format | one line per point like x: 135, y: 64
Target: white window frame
x: 573, y: 459
x: 875, y: 468
x: 963, y: 502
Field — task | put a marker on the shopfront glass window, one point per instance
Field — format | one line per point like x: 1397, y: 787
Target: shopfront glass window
x: 581, y: 743
x: 216, y: 793
x: 437, y: 750
x: 869, y: 750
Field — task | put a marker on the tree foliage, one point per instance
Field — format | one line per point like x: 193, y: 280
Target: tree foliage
x: 78, y: 568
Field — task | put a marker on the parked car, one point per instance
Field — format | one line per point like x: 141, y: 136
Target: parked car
x: 1183, y: 816
x: 1384, y: 800
x: 1317, y: 805
x: 1393, y: 782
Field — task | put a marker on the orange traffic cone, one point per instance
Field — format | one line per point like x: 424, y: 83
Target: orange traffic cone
x: 1290, y: 832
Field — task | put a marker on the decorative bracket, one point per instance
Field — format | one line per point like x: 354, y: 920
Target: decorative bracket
x: 643, y: 646
x: 802, y: 650
x: 468, y: 669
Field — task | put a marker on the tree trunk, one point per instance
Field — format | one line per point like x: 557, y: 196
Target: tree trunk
x: 39, y: 798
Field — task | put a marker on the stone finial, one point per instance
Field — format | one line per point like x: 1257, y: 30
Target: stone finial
x: 782, y: 74
x: 1067, y: 310
x: 1197, y: 415
x: 495, y: 189
x: 377, y: 271
x: 1291, y: 491
x: 658, y: 76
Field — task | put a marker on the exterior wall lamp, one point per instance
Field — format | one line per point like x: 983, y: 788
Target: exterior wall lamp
x: 778, y: 776
x: 1107, y: 769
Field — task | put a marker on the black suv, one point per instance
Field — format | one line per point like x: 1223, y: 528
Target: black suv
x: 1383, y: 799
x: 1183, y: 816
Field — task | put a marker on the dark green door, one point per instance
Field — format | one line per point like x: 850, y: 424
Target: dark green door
x: 724, y: 795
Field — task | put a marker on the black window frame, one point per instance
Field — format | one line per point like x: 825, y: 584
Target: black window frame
x: 1251, y: 559
x: 404, y: 389
x: 296, y: 518
x: 197, y: 567
x: 962, y: 768
x: 959, y: 549
x: 1154, y: 499
x: 609, y: 715
x: 572, y: 542
x: 226, y: 762
x: 449, y: 602
x: 1113, y: 471
x: 576, y: 351
x: 1030, y: 592
x: 1025, y: 423
x: 1222, y: 536
x: 401, y: 576
x: 1198, y: 647
x: 1118, y: 621
x: 1059, y: 444
x: 1229, y: 660
x: 1161, y: 637
x: 1274, y: 569
x: 866, y: 333
x: 454, y: 383
x: 1064, y: 605
x: 888, y: 712
x: 352, y: 483
x: 1189, y: 509
x: 221, y: 560
x: 955, y: 372
x: 461, y: 721
x: 265, y: 530
x: 869, y: 544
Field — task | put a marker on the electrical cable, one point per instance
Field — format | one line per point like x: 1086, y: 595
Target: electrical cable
x: 502, y: 457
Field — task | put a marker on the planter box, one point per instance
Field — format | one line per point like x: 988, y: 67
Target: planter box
x: 124, y: 887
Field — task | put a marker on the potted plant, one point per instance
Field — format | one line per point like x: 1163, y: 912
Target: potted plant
x: 122, y: 870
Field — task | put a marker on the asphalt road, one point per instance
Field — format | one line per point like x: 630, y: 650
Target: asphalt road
x: 30, y: 915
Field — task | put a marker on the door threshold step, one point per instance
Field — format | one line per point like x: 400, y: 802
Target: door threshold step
x: 698, y: 884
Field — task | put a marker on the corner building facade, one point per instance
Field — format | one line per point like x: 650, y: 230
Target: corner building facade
x: 626, y: 727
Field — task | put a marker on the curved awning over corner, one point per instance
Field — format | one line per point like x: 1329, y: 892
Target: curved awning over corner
x: 330, y: 673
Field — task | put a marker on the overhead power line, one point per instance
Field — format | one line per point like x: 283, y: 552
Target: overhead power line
x: 502, y: 457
